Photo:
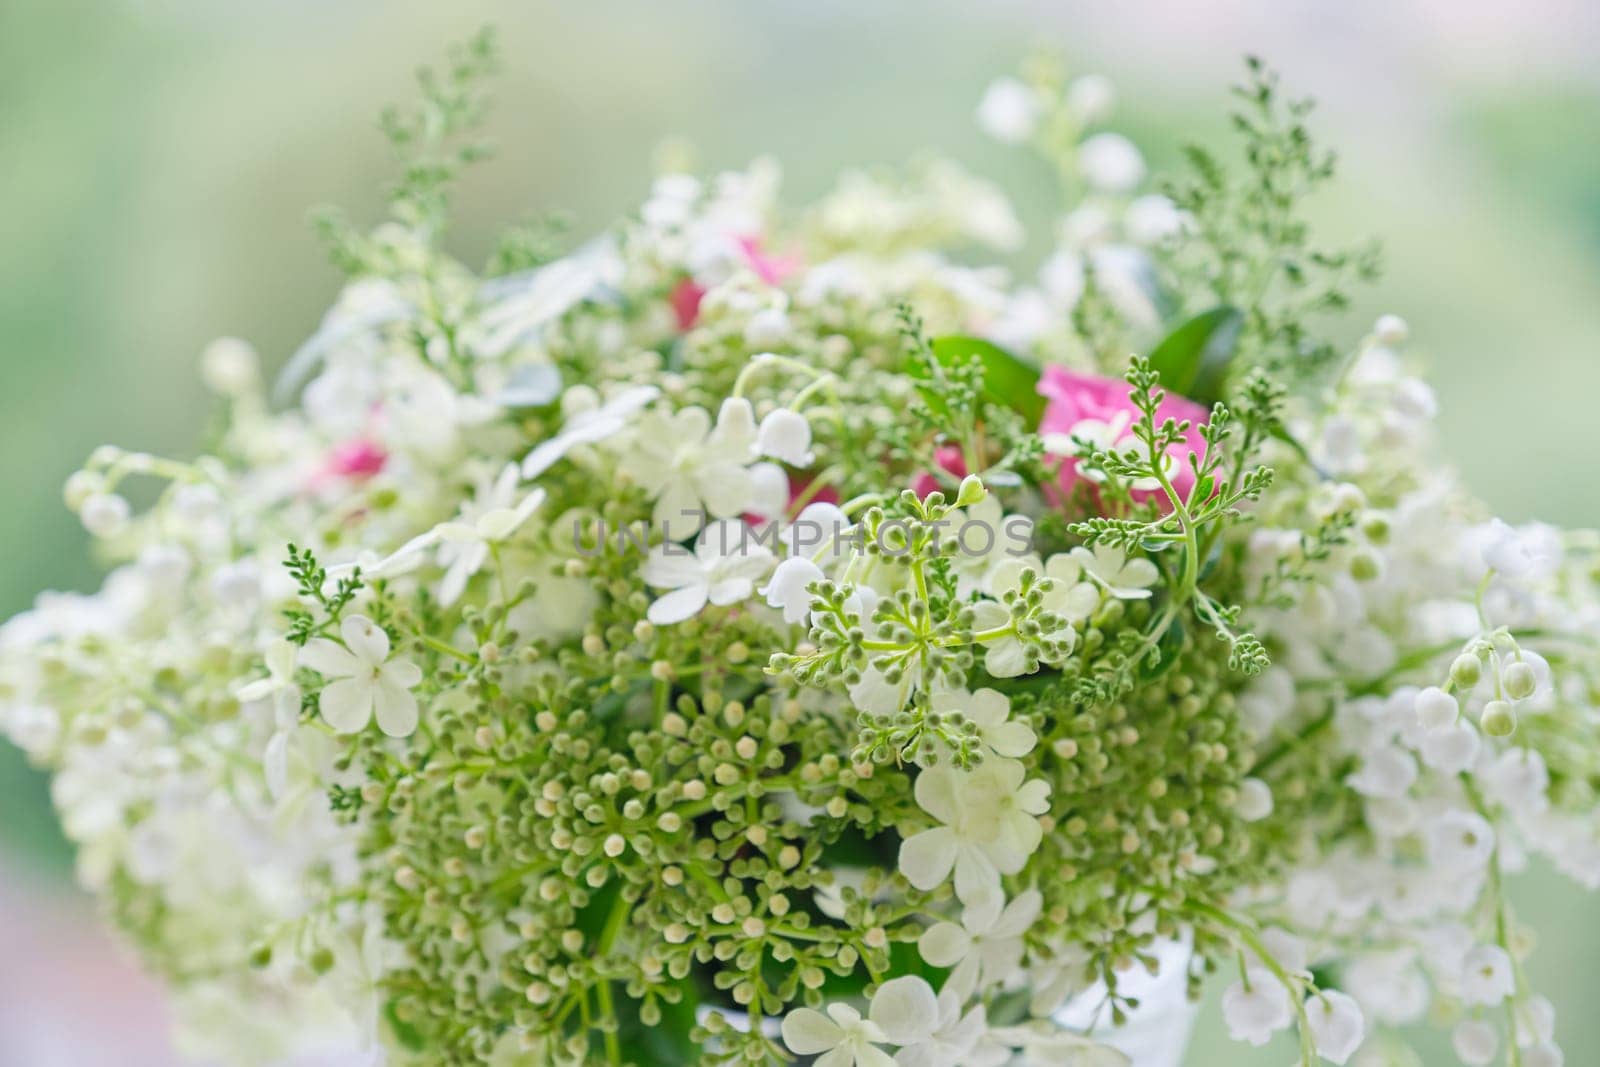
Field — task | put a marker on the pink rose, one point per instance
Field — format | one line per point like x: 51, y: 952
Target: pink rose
x: 685, y: 300
x: 949, y: 459
x: 1099, y: 409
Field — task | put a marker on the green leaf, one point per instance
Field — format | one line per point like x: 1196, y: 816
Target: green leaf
x: 1007, y: 380
x: 1193, y: 359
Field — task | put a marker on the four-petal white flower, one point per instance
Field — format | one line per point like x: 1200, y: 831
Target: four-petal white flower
x: 904, y: 1011
x: 723, y: 568
x: 986, y: 947
x: 1122, y: 577
x: 990, y: 826
x: 367, y: 680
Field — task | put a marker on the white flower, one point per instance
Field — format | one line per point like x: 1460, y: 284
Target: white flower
x: 1544, y: 1054
x: 1111, y: 163
x: 230, y: 367
x: 1459, y: 842
x: 1255, y: 800
x: 587, y: 425
x: 693, y: 467
x: 786, y: 589
x: 1256, y: 1007
x: 904, y: 1011
x: 1475, y: 1042
x: 105, y: 514
x: 1486, y: 975
x: 1070, y: 597
x: 958, y: 1040
x: 1048, y: 1045
x: 280, y: 686
x: 1386, y: 771
x: 489, y: 519
x: 723, y: 568
x: 1435, y: 708
x: 1520, y: 553
x: 986, y: 948
x: 768, y: 328
x: 1090, y: 98
x: 1452, y: 749
x: 1337, y: 1025
x: 1123, y: 578
x: 989, y: 710
x: 991, y: 826
x: 1009, y: 111
x: 368, y: 681
x: 786, y: 435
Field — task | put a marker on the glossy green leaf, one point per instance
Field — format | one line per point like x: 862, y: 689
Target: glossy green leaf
x: 1007, y: 380
x: 1193, y: 359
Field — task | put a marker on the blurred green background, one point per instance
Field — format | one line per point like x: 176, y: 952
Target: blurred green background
x: 158, y: 159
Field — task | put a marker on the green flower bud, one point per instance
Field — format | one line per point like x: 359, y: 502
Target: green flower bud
x: 1519, y: 681
x: 1498, y: 720
x: 1465, y: 671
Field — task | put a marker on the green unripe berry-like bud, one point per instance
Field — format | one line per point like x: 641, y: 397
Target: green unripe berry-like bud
x: 1519, y: 681
x: 261, y: 956
x: 1499, y: 720
x: 1466, y: 670
x: 1365, y: 566
x: 321, y: 960
x: 971, y: 492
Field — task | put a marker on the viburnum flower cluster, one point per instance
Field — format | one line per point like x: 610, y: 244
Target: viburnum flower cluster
x: 758, y: 635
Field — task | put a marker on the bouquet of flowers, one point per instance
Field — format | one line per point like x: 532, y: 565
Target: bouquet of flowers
x: 757, y: 636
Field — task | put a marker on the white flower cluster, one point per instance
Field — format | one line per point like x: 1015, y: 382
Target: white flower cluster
x: 729, y: 615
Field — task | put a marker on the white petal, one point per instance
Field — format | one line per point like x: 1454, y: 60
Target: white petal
x: 937, y: 792
x: 275, y: 764
x: 365, y: 639
x: 347, y: 704
x: 678, y: 605
x: 906, y: 1009
x: 1005, y: 658
x: 672, y: 568
x: 944, y: 944
x: 330, y: 659
x: 1011, y: 739
x: 280, y: 656
x: 402, y: 673
x: 1019, y: 915
x: 809, y: 1032
x: 397, y: 709
x: 975, y: 874
x: 926, y: 858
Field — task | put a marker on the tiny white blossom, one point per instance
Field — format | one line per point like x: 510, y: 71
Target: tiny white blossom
x: 694, y: 467
x: 279, y: 685
x: 1255, y: 800
x: 1123, y: 578
x: 587, y: 425
x: 990, y: 826
x: 1009, y: 111
x: 1090, y: 98
x: 989, y: 710
x: 105, y: 514
x: 1111, y: 163
x: 1487, y: 976
x: 786, y: 435
x: 986, y: 948
x: 367, y: 680
x: 904, y: 1011
x: 1337, y: 1025
x: 1436, y: 709
x: 1386, y: 771
x: 721, y: 570
x: 787, y: 589
x: 1475, y: 1042
x: 1256, y: 1007
x: 958, y: 1040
